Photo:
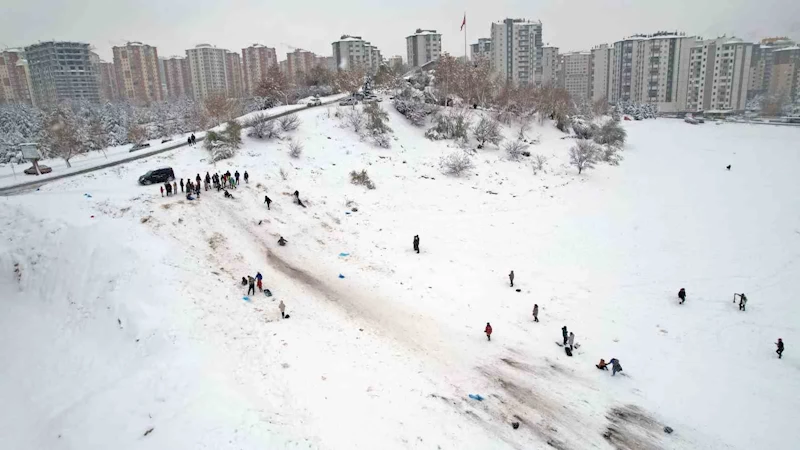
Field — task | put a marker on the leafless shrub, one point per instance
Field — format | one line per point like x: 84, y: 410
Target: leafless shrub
x: 283, y: 174
x: 538, y: 163
x: 355, y: 119
x: 382, y: 140
x: 290, y: 122
x: 295, y: 148
x: 488, y: 130
x: 456, y: 163
x: 504, y: 116
x: 514, y: 149
x: 361, y: 179
x: 263, y: 127
x: 611, y: 133
x: 610, y: 154
x: 452, y: 123
x: 583, y: 155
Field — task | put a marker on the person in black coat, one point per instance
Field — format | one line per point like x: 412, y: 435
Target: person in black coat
x: 267, y: 200
x: 564, y: 333
x: 416, y: 243
x: 246, y: 177
x: 682, y: 296
x: 779, y: 351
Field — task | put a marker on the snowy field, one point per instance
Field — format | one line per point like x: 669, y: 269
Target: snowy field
x: 123, y: 323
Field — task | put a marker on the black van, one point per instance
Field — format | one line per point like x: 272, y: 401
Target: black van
x: 157, y: 176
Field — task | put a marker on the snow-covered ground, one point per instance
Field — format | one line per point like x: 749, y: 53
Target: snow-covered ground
x: 125, y: 311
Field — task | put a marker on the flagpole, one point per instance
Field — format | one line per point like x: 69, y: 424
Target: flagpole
x: 465, y: 36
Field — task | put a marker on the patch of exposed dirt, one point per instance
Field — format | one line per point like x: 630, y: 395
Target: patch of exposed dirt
x: 216, y: 240
x: 631, y: 428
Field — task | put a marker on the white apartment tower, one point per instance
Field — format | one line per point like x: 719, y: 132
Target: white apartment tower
x: 651, y: 69
x: 423, y: 47
x: 602, y: 73
x: 517, y: 50
x: 481, y: 49
x: 208, y: 70
x: 353, y: 51
x: 550, y: 66
x: 719, y: 75
x: 577, y: 73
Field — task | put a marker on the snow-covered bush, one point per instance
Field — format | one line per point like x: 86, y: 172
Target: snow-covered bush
x: 233, y: 134
x: 641, y: 110
x: 456, y: 163
x: 514, y: 149
x: 361, y: 179
x: 583, y: 128
x: 223, y: 145
x: 609, y: 154
x: 538, y: 163
x: 416, y: 111
x: 295, y: 148
x: 583, y: 155
x: 382, y: 140
x: 355, y: 119
x: 263, y: 127
x: 452, y: 123
x: 504, y: 116
x: 488, y: 130
x: 290, y: 122
x: 611, y: 133
x: 377, y: 119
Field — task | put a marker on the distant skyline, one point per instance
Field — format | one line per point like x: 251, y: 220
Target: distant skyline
x: 175, y: 25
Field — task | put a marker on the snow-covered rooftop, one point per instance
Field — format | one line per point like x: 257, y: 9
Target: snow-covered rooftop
x: 421, y: 32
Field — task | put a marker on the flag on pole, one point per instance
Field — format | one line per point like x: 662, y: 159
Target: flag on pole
x: 463, y: 22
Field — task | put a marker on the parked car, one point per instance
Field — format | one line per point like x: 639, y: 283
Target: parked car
x: 157, y: 176
x: 139, y: 146
x: 370, y: 99
x: 315, y: 101
x: 349, y: 101
x: 690, y: 120
x: 165, y: 140
x: 42, y: 169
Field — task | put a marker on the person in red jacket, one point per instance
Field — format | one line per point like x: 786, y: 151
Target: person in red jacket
x: 488, y: 331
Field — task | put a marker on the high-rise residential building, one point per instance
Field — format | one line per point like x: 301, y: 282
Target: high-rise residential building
x: 761, y: 64
x: 207, y: 69
x: 395, y: 61
x: 550, y: 66
x: 62, y: 71
x: 177, y: 76
x: 284, y: 66
x: 651, y: 69
x: 256, y: 59
x: 109, y: 89
x: 719, y: 75
x: 577, y: 69
x: 299, y: 63
x: 602, y: 72
x: 353, y: 51
x: 517, y: 50
x: 423, y: 47
x: 138, y: 77
x: 785, y: 74
x: 328, y: 62
x: 15, y: 78
x: 233, y: 74
x: 481, y: 49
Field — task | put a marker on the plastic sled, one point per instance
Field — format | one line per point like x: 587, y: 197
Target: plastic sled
x: 267, y: 292
x: 476, y: 397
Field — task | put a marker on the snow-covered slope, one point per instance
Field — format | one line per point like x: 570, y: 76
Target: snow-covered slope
x: 127, y: 313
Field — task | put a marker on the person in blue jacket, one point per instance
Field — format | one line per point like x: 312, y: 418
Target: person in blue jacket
x: 615, y: 366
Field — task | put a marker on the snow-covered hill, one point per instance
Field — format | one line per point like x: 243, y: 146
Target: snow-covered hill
x: 122, y: 310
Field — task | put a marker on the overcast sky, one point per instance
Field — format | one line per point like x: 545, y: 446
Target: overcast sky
x: 175, y: 25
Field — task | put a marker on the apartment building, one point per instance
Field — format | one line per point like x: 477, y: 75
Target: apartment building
x: 602, y: 72
x: 138, y: 78
x: 328, y: 62
x: 551, y: 66
x: 177, y: 76
x: 353, y: 51
x: 109, y: 89
x: 256, y: 59
x: 517, y: 50
x: 719, y: 75
x: 577, y: 69
x: 761, y: 64
x: 395, y: 61
x: 481, y: 49
x: 233, y: 74
x: 423, y: 47
x: 785, y: 74
x: 299, y: 63
x: 649, y: 69
x: 62, y: 71
x: 208, y: 70
x: 15, y: 78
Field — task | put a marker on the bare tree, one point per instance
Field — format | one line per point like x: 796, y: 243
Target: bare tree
x: 349, y: 80
x: 61, y: 135
x: 488, y: 130
x: 583, y: 155
x: 137, y: 134
x: 514, y: 149
x: 275, y: 85
x: 217, y: 107
x: 456, y: 163
x: 355, y: 118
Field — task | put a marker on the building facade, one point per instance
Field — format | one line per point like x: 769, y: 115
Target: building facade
x: 15, y: 78
x: 602, y: 73
x: 719, y: 75
x: 62, y: 71
x: 761, y: 64
x: 299, y: 63
x: 785, y: 74
x: 109, y: 89
x: 651, y: 69
x: 423, y: 47
x: 233, y: 74
x: 481, y: 49
x: 551, y: 66
x: 517, y: 50
x: 577, y: 69
x: 208, y: 71
x: 353, y: 51
x: 256, y: 59
x: 138, y: 77
x: 177, y: 76
x: 395, y: 61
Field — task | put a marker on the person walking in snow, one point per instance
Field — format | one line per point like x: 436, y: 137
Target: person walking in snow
x: 416, y: 244
x: 571, y: 340
x: 198, y: 179
x: 162, y: 191
x: 169, y: 189
x: 194, y: 139
x: 535, y: 312
x: 564, y: 333
x: 251, y: 285
x: 282, y: 241
x: 511, y: 277
x: 779, y: 351
x: 297, y: 199
x: 282, y: 307
x: 682, y: 296
x: 208, y: 181
x: 267, y: 200
x: 742, y: 302
x: 236, y: 175
x: 615, y: 366
x: 174, y: 187
x: 181, y: 184
x: 258, y: 281
x: 246, y: 177
x: 488, y: 331
x: 189, y: 140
